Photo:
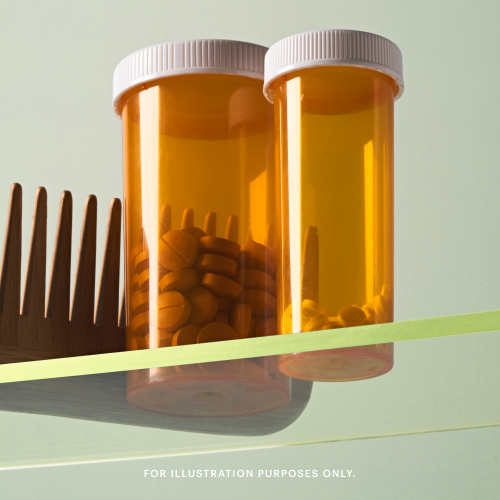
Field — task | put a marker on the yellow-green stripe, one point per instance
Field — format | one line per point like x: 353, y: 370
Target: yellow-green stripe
x: 248, y: 348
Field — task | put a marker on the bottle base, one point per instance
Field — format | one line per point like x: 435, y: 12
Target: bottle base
x: 222, y: 389
x: 339, y: 365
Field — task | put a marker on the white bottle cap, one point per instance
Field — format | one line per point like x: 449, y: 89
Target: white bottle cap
x: 333, y: 48
x: 226, y: 57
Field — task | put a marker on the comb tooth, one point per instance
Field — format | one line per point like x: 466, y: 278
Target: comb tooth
x: 112, y: 338
x: 310, y: 265
x: 232, y: 228
x: 82, y: 304
x: 211, y: 224
x: 33, y: 329
x: 165, y: 222
x: 59, y: 282
x: 249, y: 235
x: 187, y: 218
x: 10, y: 270
x: 33, y: 297
x: 270, y: 236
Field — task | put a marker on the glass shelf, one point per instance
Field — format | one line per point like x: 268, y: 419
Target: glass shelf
x: 75, y: 410
x: 248, y: 348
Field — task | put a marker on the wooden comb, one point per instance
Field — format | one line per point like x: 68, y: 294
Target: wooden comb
x: 32, y: 328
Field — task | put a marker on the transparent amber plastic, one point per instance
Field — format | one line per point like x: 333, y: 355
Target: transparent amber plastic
x: 334, y: 155
x: 199, y: 202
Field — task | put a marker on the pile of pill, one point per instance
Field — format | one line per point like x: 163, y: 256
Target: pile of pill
x: 314, y: 317
x: 210, y: 288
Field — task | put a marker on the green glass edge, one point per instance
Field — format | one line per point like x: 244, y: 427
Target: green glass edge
x: 249, y: 348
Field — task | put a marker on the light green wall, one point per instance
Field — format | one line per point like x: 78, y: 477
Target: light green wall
x: 449, y: 466
x: 58, y: 130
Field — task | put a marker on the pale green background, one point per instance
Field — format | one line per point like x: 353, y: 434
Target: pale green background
x: 58, y: 130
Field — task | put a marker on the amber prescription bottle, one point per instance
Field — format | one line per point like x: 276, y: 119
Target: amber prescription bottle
x: 199, y: 205
x: 333, y: 93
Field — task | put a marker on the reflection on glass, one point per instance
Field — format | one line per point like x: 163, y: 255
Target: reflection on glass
x: 221, y: 389
x: 242, y: 397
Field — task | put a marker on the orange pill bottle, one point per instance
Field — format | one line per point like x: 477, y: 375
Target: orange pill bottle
x: 199, y: 209
x: 333, y: 93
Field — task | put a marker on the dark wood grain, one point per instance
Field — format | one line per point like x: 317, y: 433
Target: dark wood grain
x: 106, y: 316
x: 33, y: 299
x: 10, y: 270
x: 49, y: 330
x: 9, y: 354
x: 82, y: 305
x: 57, y: 311
x: 33, y: 331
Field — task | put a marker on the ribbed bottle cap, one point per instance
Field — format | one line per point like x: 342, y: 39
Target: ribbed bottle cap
x: 187, y: 57
x: 333, y: 48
